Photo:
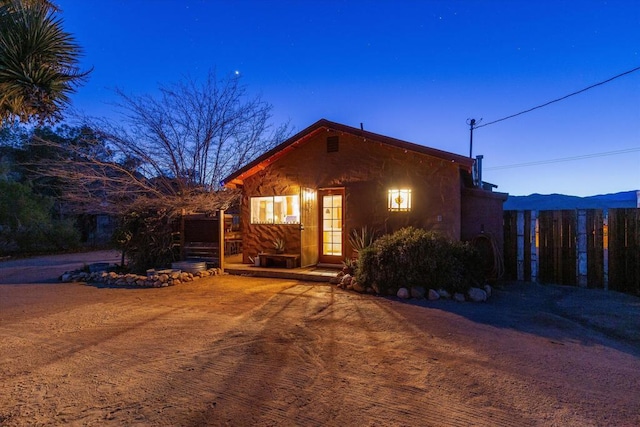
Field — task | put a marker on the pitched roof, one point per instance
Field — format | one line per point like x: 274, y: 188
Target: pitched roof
x: 261, y: 162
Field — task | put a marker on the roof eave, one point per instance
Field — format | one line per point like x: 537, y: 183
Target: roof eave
x: 236, y: 179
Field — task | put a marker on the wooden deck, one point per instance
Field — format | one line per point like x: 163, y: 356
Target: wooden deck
x: 233, y: 265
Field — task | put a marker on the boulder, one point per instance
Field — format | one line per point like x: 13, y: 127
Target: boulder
x: 488, y: 290
x: 459, y: 297
x: 443, y: 293
x: 433, y: 295
x: 477, y: 295
x: 403, y: 293
x: 357, y: 286
x: 346, y: 280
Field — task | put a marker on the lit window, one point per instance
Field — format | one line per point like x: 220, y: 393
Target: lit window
x: 399, y: 200
x: 275, y: 210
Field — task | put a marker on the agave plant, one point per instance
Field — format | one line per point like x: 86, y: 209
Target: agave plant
x: 361, y: 239
x: 278, y: 245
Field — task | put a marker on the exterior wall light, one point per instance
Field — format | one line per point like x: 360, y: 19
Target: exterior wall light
x: 399, y: 200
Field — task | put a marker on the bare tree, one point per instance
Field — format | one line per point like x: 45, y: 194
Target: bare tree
x: 166, y: 152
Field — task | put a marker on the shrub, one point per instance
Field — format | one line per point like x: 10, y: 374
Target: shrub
x: 366, y: 266
x: 146, y: 238
x: 416, y: 257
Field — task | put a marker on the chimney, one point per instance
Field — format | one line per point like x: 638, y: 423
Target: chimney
x: 477, y: 171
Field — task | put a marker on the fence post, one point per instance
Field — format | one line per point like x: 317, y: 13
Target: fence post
x: 534, y: 246
x: 605, y: 249
x: 581, y: 248
x: 520, y: 244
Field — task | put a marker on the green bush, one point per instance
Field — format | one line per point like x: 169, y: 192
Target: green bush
x: 416, y: 257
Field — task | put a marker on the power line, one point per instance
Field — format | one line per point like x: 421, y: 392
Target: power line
x: 566, y: 159
x: 559, y: 99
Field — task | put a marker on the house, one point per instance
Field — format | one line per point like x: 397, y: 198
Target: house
x: 317, y: 186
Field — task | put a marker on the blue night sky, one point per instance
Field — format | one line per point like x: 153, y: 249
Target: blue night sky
x: 413, y: 70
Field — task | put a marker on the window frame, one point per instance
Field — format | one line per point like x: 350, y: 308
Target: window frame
x: 406, y: 205
x: 270, y: 209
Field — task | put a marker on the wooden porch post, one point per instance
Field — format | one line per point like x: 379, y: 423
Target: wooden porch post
x: 221, y: 239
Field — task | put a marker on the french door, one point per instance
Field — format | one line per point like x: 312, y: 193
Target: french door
x: 331, y: 225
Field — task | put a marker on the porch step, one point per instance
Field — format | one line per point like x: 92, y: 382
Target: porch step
x: 306, y: 276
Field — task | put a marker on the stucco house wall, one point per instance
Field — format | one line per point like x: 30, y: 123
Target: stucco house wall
x: 365, y: 166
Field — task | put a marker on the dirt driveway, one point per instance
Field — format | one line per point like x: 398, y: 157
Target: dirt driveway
x: 238, y: 351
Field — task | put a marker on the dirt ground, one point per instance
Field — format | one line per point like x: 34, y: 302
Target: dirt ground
x: 237, y: 351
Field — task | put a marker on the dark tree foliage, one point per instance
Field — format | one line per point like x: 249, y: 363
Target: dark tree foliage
x: 27, y: 223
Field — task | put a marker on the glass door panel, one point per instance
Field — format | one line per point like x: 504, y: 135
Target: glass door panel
x: 331, y: 215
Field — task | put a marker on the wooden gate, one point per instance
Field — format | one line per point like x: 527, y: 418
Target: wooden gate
x: 510, y: 245
x: 595, y: 248
x: 557, y: 255
x: 624, y: 250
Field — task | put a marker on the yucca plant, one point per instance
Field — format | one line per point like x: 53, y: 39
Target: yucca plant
x: 361, y: 239
x: 38, y: 62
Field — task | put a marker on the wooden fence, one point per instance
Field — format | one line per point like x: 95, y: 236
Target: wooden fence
x: 585, y: 247
x: 199, y: 238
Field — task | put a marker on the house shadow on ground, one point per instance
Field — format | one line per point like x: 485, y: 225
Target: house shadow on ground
x: 589, y: 316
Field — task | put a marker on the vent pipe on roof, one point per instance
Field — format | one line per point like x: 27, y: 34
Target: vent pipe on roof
x: 361, y: 126
x: 477, y: 171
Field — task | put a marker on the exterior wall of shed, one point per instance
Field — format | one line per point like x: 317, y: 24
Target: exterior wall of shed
x: 366, y: 170
x: 482, y: 212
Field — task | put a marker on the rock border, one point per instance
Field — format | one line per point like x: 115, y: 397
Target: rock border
x: 345, y: 280
x: 153, y: 279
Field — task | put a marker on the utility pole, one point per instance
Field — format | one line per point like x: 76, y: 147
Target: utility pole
x: 472, y: 124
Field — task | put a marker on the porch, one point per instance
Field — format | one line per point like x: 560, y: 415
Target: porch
x: 233, y: 265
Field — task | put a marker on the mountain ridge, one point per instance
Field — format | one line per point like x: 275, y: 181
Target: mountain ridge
x: 536, y: 201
